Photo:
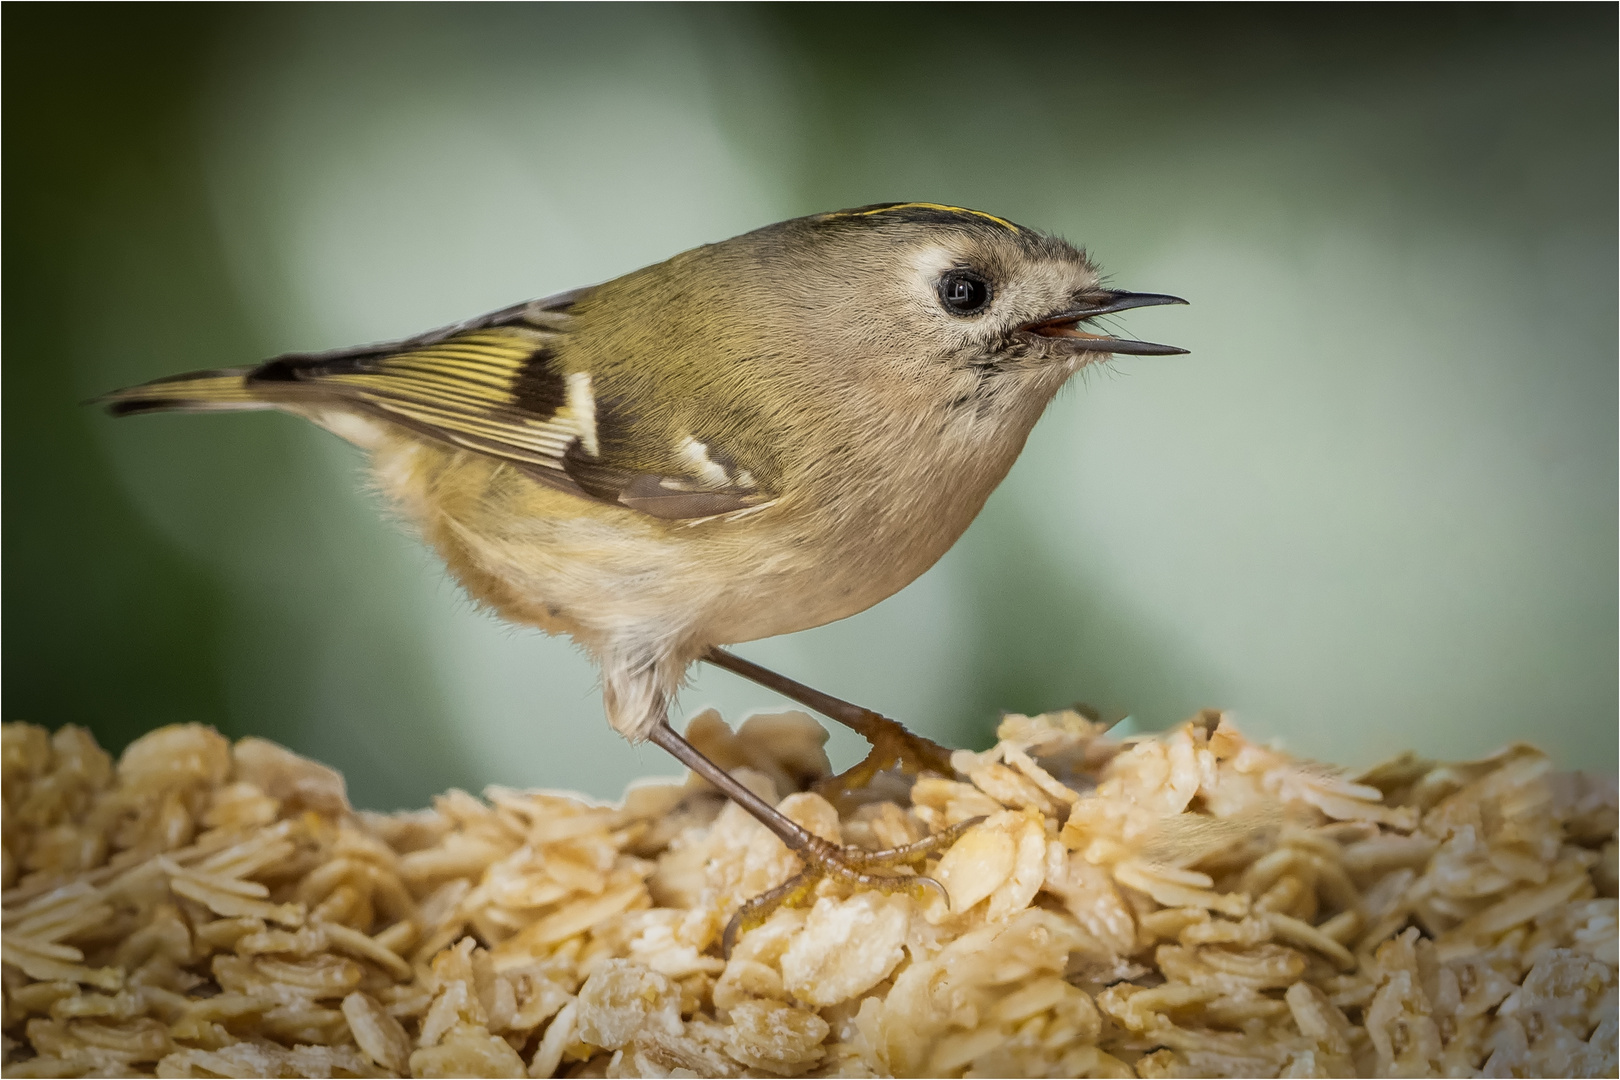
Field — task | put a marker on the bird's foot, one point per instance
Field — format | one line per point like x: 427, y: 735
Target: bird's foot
x: 851, y: 865
x: 893, y: 747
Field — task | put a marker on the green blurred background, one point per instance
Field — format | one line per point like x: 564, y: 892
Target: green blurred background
x: 1376, y: 508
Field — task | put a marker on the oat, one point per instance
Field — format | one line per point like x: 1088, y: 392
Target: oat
x: 1186, y: 904
x: 378, y: 1035
x: 845, y: 948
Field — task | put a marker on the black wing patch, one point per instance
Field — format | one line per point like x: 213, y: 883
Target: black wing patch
x: 492, y: 390
x: 493, y: 386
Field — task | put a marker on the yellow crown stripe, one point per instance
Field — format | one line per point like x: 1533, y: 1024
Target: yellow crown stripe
x: 1003, y: 222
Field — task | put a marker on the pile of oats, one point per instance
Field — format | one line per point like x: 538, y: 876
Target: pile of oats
x: 1183, y: 904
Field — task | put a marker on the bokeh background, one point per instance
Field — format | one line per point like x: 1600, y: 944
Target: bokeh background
x: 1374, y: 509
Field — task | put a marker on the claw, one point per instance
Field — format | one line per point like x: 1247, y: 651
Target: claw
x: 946, y: 837
x: 922, y: 881
x: 849, y: 865
x: 755, y: 911
x: 892, y: 747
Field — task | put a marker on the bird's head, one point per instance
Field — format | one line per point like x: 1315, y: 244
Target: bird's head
x: 932, y: 303
x: 902, y: 326
x: 976, y: 287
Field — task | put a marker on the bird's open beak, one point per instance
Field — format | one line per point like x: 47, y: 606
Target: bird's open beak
x: 1067, y: 325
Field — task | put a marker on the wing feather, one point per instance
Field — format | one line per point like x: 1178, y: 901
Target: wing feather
x: 468, y: 390
x: 494, y: 386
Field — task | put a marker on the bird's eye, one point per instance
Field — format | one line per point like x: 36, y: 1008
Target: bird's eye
x: 963, y: 292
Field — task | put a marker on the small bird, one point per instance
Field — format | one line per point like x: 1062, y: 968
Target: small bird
x: 755, y: 437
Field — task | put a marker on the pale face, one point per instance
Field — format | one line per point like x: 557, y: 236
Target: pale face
x: 974, y: 297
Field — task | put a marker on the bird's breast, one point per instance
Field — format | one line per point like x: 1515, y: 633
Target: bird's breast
x: 827, y: 549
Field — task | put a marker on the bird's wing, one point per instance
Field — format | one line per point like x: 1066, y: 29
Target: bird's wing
x: 493, y: 385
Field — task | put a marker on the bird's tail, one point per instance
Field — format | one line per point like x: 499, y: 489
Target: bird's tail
x: 198, y: 391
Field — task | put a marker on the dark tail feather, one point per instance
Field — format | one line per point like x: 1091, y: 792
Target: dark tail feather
x: 198, y: 391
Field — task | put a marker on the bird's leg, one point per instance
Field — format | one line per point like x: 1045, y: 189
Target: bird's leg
x: 821, y: 857
x: 892, y: 745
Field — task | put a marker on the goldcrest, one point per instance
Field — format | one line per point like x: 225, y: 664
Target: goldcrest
x: 757, y: 436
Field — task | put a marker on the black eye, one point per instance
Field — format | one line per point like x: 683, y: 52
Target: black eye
x: 963, y: 292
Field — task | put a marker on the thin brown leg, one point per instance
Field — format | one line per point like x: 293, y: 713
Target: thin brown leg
x: 892, y: 745
x: 821, y: 858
